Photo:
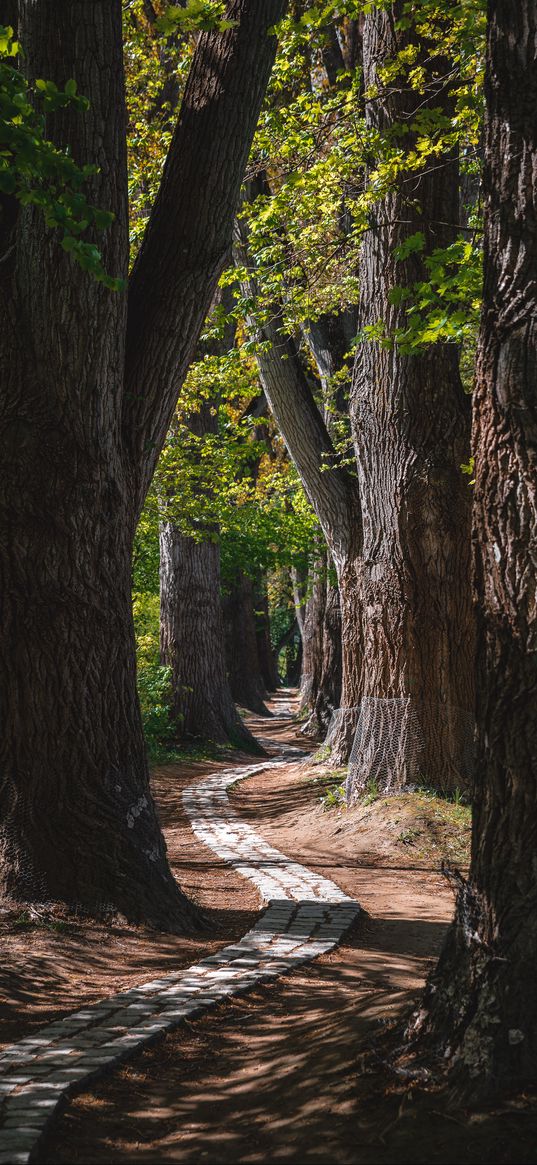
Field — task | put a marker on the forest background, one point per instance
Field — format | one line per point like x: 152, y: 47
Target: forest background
x: 315, y: 174
x: 349, y: 304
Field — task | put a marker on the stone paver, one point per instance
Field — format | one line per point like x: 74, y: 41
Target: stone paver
x: 306, y: 916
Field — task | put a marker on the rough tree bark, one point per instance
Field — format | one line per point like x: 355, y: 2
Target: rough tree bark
x: 192, y: 640
x: 87, y: 399
x: 481, y: 1003
x: 410, y: 422
x: 244, y: 669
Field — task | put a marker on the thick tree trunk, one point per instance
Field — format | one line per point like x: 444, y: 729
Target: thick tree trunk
x: 245, y: 678
x: 192, y: 640
x: 410, y: 424
x: 77, y: 822
x: 90, y: 839
x: 79, y: 443
x: 481, y: 1003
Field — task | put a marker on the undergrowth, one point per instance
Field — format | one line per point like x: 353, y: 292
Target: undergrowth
x: 430, y: 824
x: 154, y: 692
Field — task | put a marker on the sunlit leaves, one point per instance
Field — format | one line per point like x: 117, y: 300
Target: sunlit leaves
x: 194, y: 16
x: 36, y: 172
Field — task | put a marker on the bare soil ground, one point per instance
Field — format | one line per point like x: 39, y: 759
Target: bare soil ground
x: 288, y: 1072
x: 53, y: 963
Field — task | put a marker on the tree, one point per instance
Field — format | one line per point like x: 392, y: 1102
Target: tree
x: 480, y: 1004
x: 244, y: 665
x: 192, y: 637
x: 328, y: 697
x: 397, y: 525
x: 330, y: 488
x: 91, y: 379
x: 410, y: 421
x: 267, y: 659
x: 193, y: 641
x: 310, y: 597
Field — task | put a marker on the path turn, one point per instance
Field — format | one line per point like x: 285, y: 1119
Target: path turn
x: 306, y: 916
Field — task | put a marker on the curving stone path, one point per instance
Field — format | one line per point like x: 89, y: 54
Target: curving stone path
x: 305, y: 917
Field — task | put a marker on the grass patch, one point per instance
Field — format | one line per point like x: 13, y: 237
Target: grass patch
x: 36, y: 920
x: 422, y: 822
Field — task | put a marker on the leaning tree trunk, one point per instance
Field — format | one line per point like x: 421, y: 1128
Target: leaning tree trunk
x: 192, y: 641
x: 333, y: 495
x: 481, y: 1003
x: 244, y: 669
x: 410, y: 422
x: 80, y: 436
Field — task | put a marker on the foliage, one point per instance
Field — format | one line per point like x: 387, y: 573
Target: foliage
x: 326, y: 171
x: 35, y: 171
x: 319, y: 174
x: 444, y: 305
x: 234, y: 482
x: 333, y: 798
x: 195, y: 15
x: 153, y: 680
x: 156, y: 68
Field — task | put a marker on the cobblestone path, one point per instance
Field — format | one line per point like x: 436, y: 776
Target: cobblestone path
x: 306, y: 916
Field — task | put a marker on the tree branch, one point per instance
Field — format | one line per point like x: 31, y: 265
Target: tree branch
x: 189, y: 231
x: 331, y: 490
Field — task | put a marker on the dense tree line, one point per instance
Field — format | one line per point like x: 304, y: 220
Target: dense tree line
x: 294, y: 336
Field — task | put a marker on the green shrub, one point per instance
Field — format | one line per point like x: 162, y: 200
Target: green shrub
x: 154, y: 694
x: 154, y: 689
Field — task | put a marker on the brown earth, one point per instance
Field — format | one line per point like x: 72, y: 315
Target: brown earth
x: 302, y: 1069
x: 53, y: 963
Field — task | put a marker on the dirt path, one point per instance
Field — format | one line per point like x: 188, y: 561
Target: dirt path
x: 274, y: 1075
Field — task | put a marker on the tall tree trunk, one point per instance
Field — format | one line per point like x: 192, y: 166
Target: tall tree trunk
x: 410, y: 422
x: 78, y: 822
x: 192, y: 640
x: 329, y: 693
x: 79, y: 442
x: 312, y: 634
x: 265, y: 653
x: 245, y: 678
x: 192, y: 637
x: 481, y: 1003
x: 333, y: 495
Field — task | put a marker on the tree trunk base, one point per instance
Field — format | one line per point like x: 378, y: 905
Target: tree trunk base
x: 471, y: 1016
x: 173, y: 913
x: 402, y: 743
x: 340, y: 735
x: 313, y: 729
x: 115, y: 867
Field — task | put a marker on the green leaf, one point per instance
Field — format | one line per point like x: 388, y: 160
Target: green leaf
x: 410, y: 246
